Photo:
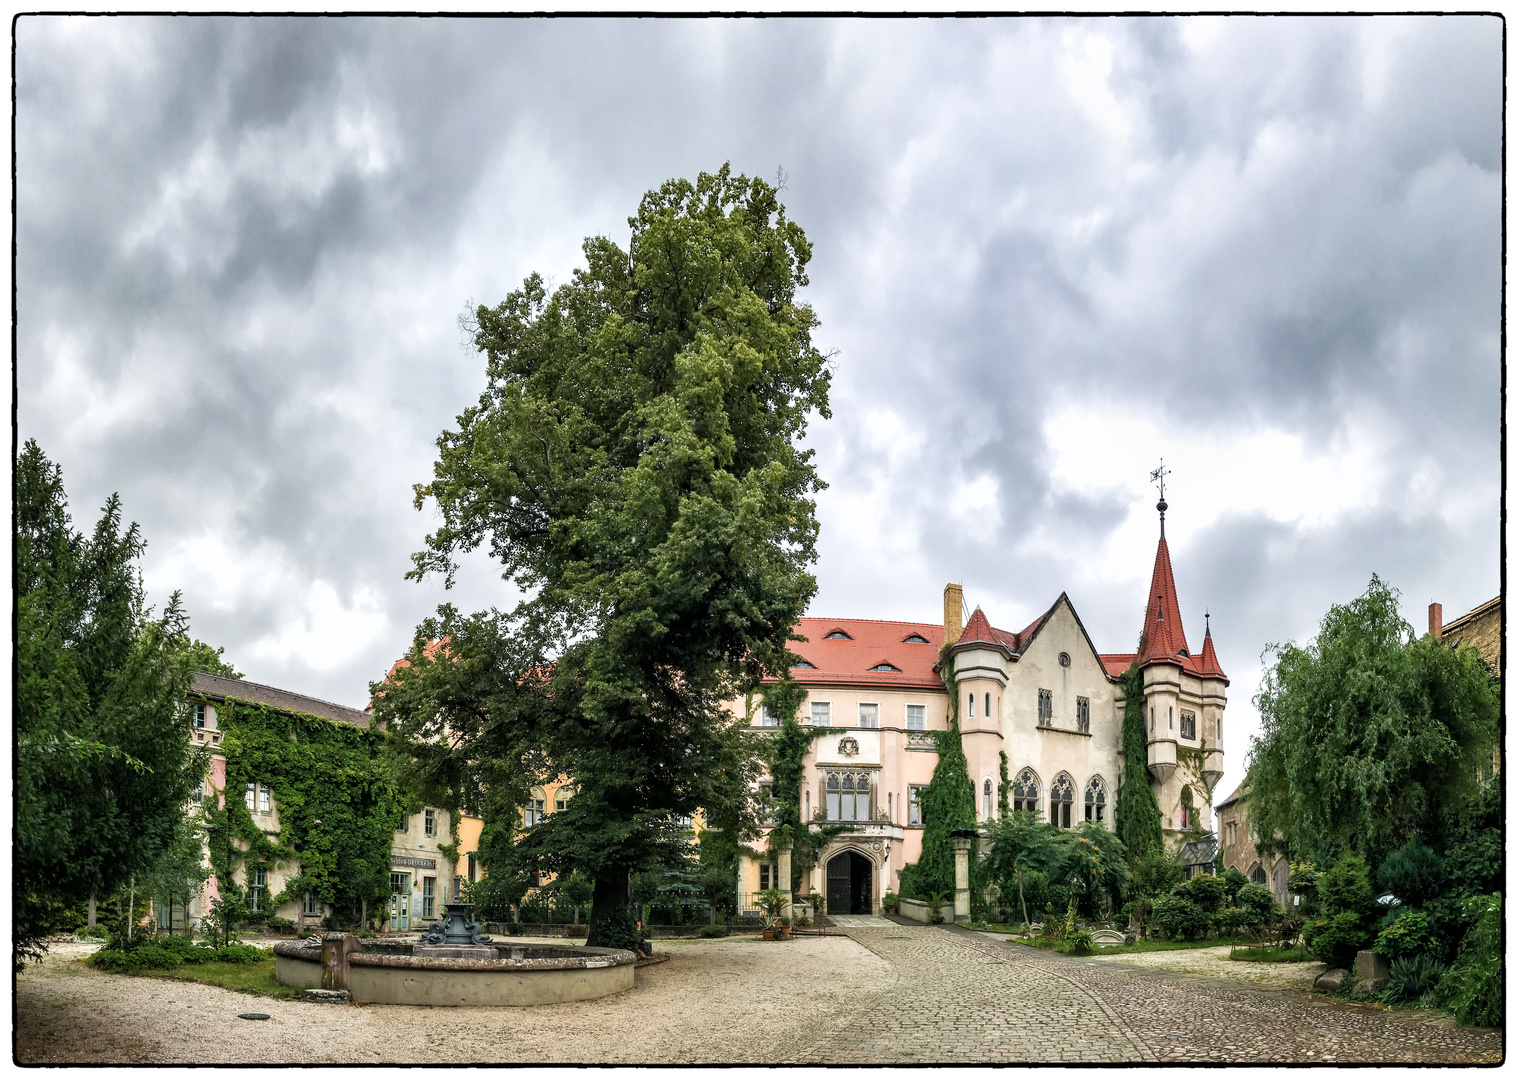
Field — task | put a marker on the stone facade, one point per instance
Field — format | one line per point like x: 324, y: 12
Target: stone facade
x: 1240, y: 852
x: 1043, y: 696
x: 1480, y: 627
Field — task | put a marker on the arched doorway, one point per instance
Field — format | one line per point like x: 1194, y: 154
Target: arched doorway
x: 851, y: 880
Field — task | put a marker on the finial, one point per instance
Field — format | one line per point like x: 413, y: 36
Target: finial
x: 1207, y: 615
x: 1158, y: 475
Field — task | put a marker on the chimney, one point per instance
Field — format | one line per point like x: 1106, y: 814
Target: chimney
x: 953, y: 612
x: 1436, y: 620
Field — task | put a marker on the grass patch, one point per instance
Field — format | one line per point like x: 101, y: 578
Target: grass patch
x: 243, y: 977
x: 1270, y: 954
x: 1145, y: 946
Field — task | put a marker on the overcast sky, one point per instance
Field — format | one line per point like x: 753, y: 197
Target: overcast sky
x: 1047, y: 253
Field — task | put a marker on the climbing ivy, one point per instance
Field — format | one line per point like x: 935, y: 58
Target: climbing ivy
x: 339, y: 806
x: 786, y: 755
x: 948, y: 802
x: 1003, y: 808
x: 1137, y: 814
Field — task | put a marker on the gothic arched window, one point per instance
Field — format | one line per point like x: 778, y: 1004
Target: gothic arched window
x: 1061, y: 799
x: 1096, y: 800
x: 1025, y: 792
x: 848, y: 796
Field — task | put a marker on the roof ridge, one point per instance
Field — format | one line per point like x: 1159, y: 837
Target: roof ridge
x: 279, y: 690
x: 845, y: 618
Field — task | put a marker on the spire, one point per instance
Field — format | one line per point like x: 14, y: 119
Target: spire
x: 1164, y: 636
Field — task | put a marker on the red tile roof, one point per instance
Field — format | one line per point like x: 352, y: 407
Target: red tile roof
x: 1117, y: 663
x: 871, y: 642
x: 1164, y: 636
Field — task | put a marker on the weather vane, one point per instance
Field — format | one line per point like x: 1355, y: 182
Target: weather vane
x: 1158, y: 476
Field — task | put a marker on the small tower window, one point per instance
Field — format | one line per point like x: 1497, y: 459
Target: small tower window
x: 988, y: 705
x: 1188, y: 725
x: 972, y: 704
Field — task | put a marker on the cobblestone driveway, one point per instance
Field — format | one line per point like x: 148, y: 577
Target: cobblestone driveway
x: 1189, y: 1018
x: 957, y: 1001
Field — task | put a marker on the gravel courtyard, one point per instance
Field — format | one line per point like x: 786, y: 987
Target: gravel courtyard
x: 883, y: 994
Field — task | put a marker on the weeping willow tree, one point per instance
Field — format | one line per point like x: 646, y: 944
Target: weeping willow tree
x: 1137, y: 812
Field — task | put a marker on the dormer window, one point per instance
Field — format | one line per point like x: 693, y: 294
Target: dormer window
x: 916, y: 639
x: 883, y: 666
x: 803, y: 664
x: 837, y: 635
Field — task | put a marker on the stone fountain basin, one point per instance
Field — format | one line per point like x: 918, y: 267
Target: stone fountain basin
x: 388, y: 973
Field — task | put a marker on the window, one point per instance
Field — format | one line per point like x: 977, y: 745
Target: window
x: 1064, y: 659
x: 987, y: 814
x: 251, y: 795
x: 474, y: 866
x: 972, y: 704
x: 682, y: 821
x: 198, y: 796
x: 1045, y: 707
x: 264, y: 795
x: 1219, y: 726
x: 532, y: 813
x: 1025, y: 792
x: 848, y: 796
x: 1096, y: 800
x: 837, y: 635
x: 429, y: 896
x: 768, y: 717
x: 764, y: 876
x: 1233, y: 833
x: 883, y: 666
x: 256, y: 889
x: 915, y: 639
x: 916, y: 717
x: 200, y: 716
x: 400, y: 883
x: 820, y: 711
x: 405, y: 823
x: 988, y: 706
x: 1257, y: 875
x: 914, y: 806
x: 1083, y: 714
x: 1061, y: 798
x: 1185, y: 816
x: 869, y: 716
x: 310, y: 906
x: 429, y: 822
x: 803, y: 664
x: 1188, y: 725
x: 561, y: 798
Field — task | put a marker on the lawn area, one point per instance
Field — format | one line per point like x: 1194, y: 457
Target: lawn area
x: 259, y: 976
x: 1270, y: 954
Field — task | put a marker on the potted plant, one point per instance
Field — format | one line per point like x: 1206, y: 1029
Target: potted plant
x: 769, y: 927
x: 783, y: 930
x: 773, y: 901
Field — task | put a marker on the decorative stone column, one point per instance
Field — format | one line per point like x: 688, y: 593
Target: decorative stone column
x: 784, y: 884
x: 962, y: 839
x: 336, y: 948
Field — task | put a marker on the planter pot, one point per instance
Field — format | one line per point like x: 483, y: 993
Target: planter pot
x: 769, y: 935
x: 783, y: 933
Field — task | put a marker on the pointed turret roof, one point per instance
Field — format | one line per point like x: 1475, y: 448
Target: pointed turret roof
x: 1164, y: 636
x: 1208, y: 663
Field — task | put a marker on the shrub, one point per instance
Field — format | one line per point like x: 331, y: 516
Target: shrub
x: 1178, y: 918
x: 1234, y: 880
x: 1080, y: 942
x: 91, y: 933
x: 1472, y: 988
x: 576, y: 930
x: 514, y: 929
x: 1346, y: 888
x: 1413, y: 874
x: 1258, y: 905
x: 1230, y: 920
x: 1412, y: 977
x: 935, y: 901
x: 238, y: 953
x: 278, y: 923
x: 1410, y: 934
x: 132, y: 961
x: 890, y: 901
x: 1205, y: 891
x: 713, y: 931
x: 1334, y: 939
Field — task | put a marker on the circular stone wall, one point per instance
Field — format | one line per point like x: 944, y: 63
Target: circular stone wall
x: 524, y: 975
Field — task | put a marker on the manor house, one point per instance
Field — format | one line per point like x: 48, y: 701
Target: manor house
x: 1043, y: 698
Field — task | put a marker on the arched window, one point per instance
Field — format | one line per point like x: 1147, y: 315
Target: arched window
x: 532, y: 813
x: 972, y: 704
x: 988, y: 799
x: 1257, y: 875
x: 848, y: 796
x: 1061, y: 799
x: 1025, y: 792
x: 988, y: 704
x: 1096, y: 800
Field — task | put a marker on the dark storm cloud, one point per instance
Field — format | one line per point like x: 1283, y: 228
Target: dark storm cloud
x: 243, y: 246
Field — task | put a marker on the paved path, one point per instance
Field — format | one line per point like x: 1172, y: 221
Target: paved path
x: 860, y: 920
x: 958, y: 1001
x: 1184, y: 1018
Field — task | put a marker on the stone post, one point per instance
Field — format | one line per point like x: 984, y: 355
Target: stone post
x: 784, y: 883
x: 336, y: 948
x: 962, y: 838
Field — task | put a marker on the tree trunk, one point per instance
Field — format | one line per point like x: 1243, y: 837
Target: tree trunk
x: 610, y: 898
x: 131, y: 906
x: 1020, y: 898
x: 92, y: 912
x: 363, y: 910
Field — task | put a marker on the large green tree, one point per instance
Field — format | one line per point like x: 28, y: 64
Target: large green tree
x: 1368, y: 734
x: 104, y: 765
x: 634, y: 464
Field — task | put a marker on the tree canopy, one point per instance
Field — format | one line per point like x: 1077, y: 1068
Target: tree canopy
x: 104, y: 765
x: 1368, y: 733
x: 634, y: 465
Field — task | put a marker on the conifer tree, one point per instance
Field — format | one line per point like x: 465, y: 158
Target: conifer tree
x: 1137, y: 814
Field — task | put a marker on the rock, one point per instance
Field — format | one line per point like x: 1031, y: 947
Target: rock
x: 1371, y: 972
x: 1331, y: 981
x: 331, y: 997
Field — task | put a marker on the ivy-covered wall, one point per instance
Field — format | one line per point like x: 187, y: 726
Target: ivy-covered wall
x: 338, y: 805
